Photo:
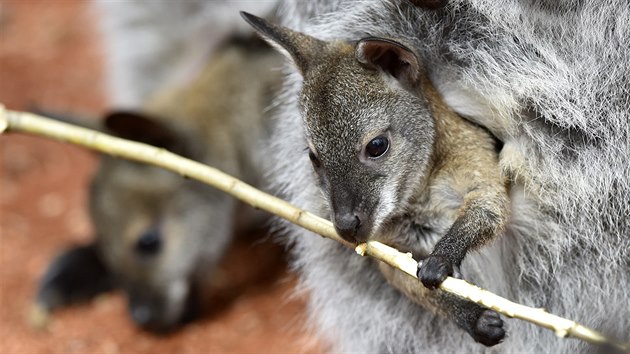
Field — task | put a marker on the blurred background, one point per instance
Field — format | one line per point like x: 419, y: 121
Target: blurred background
x: 51, y: 57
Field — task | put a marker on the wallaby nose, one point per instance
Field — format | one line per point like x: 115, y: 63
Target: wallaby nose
x: 350, y: 226
x: 149, y: 243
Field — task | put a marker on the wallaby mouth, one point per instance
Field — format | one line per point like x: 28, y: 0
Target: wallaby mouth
x: 154, y: 312
x: 147, y: 318
x: 151, y: 315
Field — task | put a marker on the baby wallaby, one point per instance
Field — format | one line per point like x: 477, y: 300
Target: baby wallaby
x: 396, y: 165
x: 159, y: 236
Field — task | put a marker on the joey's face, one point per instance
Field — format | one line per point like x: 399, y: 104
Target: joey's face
x: 369, y: 141
x: 148, y: 238
x: 368, y: 127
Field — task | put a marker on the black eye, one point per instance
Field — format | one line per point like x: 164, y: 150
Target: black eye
x: 313, y: 158
x: 377, y: 147
x: 149, y: 243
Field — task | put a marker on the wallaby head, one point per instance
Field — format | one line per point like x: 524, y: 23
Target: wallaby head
x: 368, y: 126
x: 145, y: 219
x: 159, y: 236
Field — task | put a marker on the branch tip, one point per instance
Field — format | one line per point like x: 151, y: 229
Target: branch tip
x: 4, y: 123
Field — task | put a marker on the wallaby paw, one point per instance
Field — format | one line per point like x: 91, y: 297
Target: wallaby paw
x: 77, y: 275
x: 488, y: 329
x: 433, y: 271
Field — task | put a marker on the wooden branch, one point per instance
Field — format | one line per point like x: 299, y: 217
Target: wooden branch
x: 33, y: 124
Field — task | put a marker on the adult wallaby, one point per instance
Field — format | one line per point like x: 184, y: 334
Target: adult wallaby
x: 159, y: 236
x: 396, y: 165
x: 550, y: 80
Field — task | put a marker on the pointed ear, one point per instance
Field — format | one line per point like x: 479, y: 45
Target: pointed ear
x: 302, y: 49
x: 391, y: 57
x: 145, y: 129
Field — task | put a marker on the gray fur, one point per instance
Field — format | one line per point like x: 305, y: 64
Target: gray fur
x: 551, y: 80
x: 152, y: 44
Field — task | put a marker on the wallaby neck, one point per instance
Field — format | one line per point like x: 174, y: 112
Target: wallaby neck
x: 448, y: 125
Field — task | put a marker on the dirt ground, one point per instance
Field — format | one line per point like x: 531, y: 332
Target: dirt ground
x: 50, y: 57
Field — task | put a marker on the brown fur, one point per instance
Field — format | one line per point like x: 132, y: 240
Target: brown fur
x: 464, y: 166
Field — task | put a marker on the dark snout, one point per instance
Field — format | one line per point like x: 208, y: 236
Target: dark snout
x: 149, y: 315
x: 153, y: 313
x: 352, y: 226
x: 349, y: 212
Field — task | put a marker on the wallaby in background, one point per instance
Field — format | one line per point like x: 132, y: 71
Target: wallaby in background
x: 159, y: 236
x: 396, y: 165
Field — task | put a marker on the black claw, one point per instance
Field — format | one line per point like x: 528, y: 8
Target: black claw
x: 489, y: 328
x: 433, y: 270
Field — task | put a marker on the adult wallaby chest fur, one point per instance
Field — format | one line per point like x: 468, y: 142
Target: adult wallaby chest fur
x: 550, y: 80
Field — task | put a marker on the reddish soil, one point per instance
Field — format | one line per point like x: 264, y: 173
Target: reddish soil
x: 50, y: 57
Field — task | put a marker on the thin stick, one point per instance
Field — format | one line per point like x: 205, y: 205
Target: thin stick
x: 30, y: 123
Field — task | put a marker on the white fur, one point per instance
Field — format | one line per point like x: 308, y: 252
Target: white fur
x: 387, y: 204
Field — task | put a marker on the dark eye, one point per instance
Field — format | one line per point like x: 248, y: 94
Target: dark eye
x: 377, y: 147
x: 313, y: 158
x: 149, y: 243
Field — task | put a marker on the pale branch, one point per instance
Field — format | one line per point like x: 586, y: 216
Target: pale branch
x: 34, y: 124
